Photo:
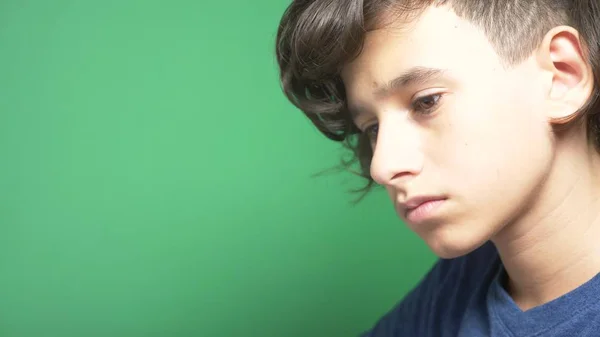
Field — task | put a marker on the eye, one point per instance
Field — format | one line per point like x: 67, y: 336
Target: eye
x: 426, y: 104
x: 371, y: 131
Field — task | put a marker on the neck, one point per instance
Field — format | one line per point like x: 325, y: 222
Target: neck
x: 553, y: 248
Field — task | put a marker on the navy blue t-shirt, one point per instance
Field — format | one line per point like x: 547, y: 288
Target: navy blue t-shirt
x: 465, y: 297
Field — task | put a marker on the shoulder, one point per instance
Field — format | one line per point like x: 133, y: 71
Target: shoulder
x: 441, y: 291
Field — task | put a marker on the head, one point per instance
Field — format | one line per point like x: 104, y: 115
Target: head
x: 471, y: 102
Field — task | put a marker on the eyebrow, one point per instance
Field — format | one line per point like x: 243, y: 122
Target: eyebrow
x: 413, y: 76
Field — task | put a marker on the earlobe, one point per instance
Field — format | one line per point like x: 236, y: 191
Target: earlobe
x: 562, y: 54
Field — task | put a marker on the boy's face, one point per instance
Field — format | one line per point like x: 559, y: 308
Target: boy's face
x: 464, y: 128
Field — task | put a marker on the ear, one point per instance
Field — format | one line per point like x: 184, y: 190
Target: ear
x: 561, y: 54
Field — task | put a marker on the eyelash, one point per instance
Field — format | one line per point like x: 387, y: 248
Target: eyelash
x: 426, y: 111
x: 372, y: 130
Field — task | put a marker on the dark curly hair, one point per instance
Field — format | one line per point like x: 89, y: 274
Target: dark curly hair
x: 316, y: 38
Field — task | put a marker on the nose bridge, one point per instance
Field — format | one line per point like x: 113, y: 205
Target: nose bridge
x: 397, y: 154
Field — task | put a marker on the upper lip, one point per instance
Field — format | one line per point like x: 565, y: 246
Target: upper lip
x: 415, y: 202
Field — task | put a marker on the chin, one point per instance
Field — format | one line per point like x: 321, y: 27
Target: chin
x: 451, y: 244
x: 445, y: 252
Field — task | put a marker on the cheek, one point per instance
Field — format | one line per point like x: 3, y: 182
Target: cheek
x: 501, y: 154
x: 491, y: 136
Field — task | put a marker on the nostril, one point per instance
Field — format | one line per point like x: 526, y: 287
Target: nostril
x: 400, y: 175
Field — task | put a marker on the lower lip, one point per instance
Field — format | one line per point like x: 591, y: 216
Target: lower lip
x: 424, y: 211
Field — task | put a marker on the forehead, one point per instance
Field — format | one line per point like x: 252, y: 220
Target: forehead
x: 436, y: 39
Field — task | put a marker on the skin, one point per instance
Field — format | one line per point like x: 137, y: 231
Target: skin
x: 482, y: 135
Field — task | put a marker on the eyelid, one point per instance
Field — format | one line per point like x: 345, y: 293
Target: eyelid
x: 367, y: 123
x: 427, y: 93
x: 438, y: 96
x: 362, y: 122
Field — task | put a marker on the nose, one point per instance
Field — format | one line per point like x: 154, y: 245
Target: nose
x: 397, y: 156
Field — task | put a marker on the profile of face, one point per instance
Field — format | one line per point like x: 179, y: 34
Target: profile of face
x: 450, y: 123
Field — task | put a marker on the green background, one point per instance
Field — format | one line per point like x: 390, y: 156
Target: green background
x: 154, y: 181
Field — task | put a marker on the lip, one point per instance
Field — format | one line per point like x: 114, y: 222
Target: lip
x: 420, y: 209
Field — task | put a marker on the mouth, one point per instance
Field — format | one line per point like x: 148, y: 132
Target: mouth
x: 418, y: 210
